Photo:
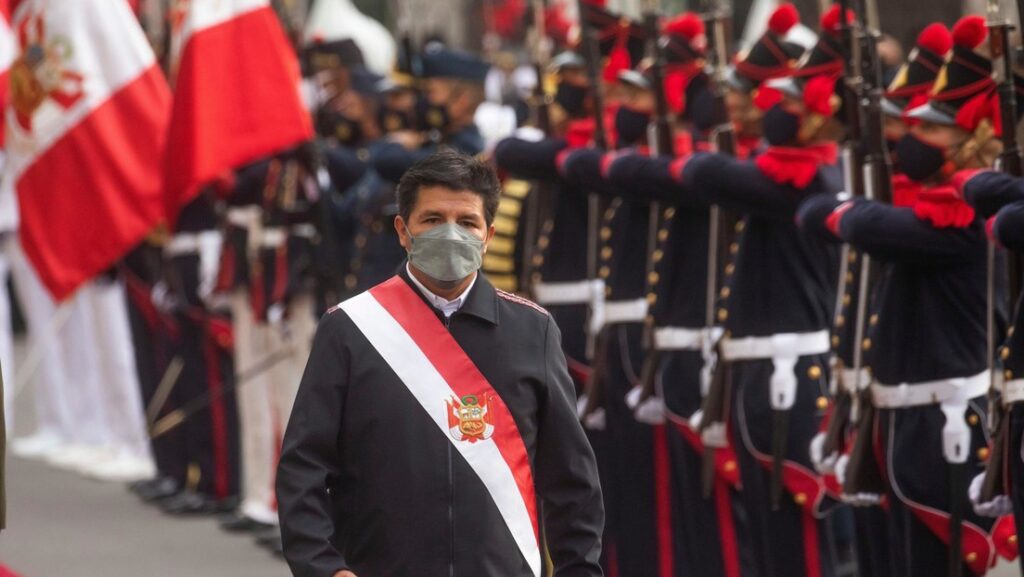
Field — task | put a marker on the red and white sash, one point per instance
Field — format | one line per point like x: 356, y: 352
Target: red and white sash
x: 457, y: 397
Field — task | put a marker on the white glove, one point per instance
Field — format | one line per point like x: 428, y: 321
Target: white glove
x: 823, y: 464
x: 997, y: 507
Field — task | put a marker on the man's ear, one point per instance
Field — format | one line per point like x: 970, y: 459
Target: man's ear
x: 403, y: 232
x: 487, y: 239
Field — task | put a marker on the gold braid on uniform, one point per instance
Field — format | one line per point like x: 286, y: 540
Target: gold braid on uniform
x: 499, y: 262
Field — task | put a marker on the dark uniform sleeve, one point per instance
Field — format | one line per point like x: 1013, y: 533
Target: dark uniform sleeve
x: 739, y: 186
x: 645, y: 178
x: 566, y: 474
x: 310, y: 458
x: 393, y: 159
x: 582, y: 168
x: 813, y: 213
x: 345, y: 167
x: 530, y: 160
x: 988, y: 191
x: 1009, y: 226
x: 895, y: 234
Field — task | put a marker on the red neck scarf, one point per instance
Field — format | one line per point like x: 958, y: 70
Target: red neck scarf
x: 905, y: 191
x: 795, y: 165
x: 943, y: 207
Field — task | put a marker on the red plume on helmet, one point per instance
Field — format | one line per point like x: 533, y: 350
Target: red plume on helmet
x: 820, y: 95
x: 914, y: 80
x: 771, y: 56
x: 964, y: 90
x: 830, y: 20
x: 783, y: 19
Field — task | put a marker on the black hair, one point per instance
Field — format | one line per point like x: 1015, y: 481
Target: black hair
x: 452, y: 170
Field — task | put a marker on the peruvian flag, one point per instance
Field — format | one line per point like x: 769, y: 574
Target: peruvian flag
x: 86, y: 126
x: 236, y: 93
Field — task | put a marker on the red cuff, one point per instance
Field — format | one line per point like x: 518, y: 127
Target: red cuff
x: 560, y: 160
x: 832, y: 222
x: 962, y: 177
x: 990, y: 230
x: 675, y: 169
x: 606, y: 163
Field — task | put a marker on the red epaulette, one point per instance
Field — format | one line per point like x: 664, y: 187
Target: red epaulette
x: 520, y: 300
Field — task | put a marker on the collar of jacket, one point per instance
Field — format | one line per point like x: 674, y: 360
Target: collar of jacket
x: 481, y: 302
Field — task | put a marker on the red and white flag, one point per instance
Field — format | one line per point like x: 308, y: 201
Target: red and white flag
x: 86, y: 127
x: 236, y: 93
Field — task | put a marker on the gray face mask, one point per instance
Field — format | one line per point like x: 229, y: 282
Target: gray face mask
x: 447, y: 253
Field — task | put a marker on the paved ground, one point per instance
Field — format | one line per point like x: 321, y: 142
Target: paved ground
x: 62, y: 525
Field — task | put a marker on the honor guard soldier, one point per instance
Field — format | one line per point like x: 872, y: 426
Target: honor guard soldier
x: 558, y: 281
x: 452, y: 90
x: 909, y: 89
x: 1000, y: 198
x: 927, y: 351
x: 206, y: 347
x: 637, y: 469
x: 682, y: 347
x: 776, y: 343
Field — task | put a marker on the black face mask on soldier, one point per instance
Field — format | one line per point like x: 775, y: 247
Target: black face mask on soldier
x: 571, y: 98
x: 780, y: 126
x: 332, y: 124
x: 918, y: 159
x: 432, y: 116
x: 631, y: 125
x: 391, y: 120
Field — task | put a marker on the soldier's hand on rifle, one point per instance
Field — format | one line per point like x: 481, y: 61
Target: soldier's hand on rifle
x: 344, y: 574
x: 409, y: 139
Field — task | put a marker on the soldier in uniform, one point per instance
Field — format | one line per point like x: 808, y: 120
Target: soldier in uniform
x: 927, y: 349
x: 452, y: 90
x: 999, y: 198
x: 205, y: 346
x: 682, y: 344
x: 559, y: 280
x: 776, y: 342
x: 637, y: 470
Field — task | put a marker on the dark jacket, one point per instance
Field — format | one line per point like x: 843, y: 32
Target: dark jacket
x: 367, y: 482
x: 932, y: 295
x: 781, y: 280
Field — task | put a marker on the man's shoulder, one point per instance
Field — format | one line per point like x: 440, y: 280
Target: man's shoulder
x: 521, y: 305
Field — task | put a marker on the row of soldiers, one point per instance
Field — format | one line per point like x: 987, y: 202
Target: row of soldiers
x: 763, y: 400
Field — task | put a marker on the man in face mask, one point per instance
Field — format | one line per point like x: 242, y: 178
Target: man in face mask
x: 436, y: 414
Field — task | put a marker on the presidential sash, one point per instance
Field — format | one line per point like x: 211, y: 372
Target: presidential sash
x: 464, y: 406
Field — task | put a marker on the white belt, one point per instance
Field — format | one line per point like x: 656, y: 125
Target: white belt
x: 244, y: 216
x: 567, y: 293
x: 1013, y: 391
x: 632, y: 311
x: 190, y: 242
x: 273, y: 237
x: 952, y: 396
x: 784, y: 350
x: 303, y: 230
x: 687, y: 339
x: 936, y: 392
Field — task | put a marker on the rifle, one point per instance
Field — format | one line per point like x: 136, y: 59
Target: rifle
x: 863, y: 476
x: 721, y: 233
x: 592, y: 57
x: 660, y: 140
x: 538, y: 201
x: 1010, y: 163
